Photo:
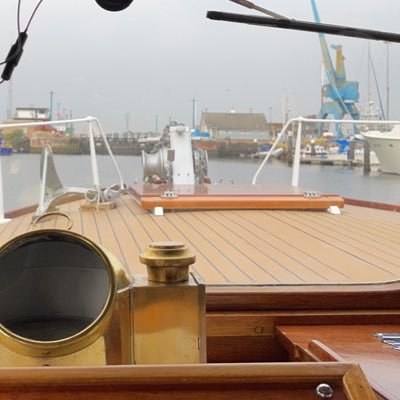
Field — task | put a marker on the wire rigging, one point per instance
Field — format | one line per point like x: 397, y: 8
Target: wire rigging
x: 33, y: 14
x: 9, y: 58
x: 382, y: 110
x: 16, y: 49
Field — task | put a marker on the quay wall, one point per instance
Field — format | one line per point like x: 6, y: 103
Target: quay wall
x: 221, y: 148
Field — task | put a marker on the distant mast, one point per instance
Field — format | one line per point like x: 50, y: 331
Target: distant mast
x: 194, y: 102
x: 10, y: 100
x: 51, y: 105
x: 387, y: 80
x: 369, y: 73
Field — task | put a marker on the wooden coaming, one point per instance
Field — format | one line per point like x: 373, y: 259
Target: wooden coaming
x: 258, y: 381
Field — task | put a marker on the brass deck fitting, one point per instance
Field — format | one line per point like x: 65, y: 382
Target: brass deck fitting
x: 64, y: 301
x: 168, y: 308
x: 167, y: 262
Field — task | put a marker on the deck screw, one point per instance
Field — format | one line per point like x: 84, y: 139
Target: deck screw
x: 324, y: 391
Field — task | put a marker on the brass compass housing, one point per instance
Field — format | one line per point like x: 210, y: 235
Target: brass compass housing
x: 59, y: 293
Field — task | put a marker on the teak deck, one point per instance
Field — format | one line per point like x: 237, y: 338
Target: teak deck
x: 247, y: 247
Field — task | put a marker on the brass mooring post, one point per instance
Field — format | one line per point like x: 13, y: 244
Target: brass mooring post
x: 168, y: 308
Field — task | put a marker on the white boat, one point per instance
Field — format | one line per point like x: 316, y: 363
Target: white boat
x: 263, y: 150
x: 314, y: 151
x: 386, y: 146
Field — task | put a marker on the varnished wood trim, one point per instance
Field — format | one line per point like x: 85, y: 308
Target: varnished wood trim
x: 329, y: 297
x: 223, y: 381
x: 241, y: 202
x: 262, y: 324
x: 356, y: 385
x: 242, y: 349
x: 21, y: 211
x: 30, y: 209
x: 355, y: 344
x: 323, y: 353
x: 254, y: 336
x: 371, y: 204
x: 171, y: 374
x: 303, y: 355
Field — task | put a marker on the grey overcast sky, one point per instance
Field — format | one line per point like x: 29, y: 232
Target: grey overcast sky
x: 153, y: 58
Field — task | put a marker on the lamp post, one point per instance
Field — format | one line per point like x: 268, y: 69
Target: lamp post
x: 51, y: 105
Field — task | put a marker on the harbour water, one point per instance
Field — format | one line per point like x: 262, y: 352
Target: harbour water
x: 21, y: 176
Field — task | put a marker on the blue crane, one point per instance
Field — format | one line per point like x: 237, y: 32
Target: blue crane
x: 343, y: 94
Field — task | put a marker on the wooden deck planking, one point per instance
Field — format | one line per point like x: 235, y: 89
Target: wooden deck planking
x: 302, y: 246
x: 239, y: 252
x: 383, y: 232
x: 104, y: 230
x: 147, y: 222
x: 328, y: 251
x: 6, y: 225
x: 369, y: 244
x: 139, y: 232
x: 121, y: 229
x: 16, y: 227
x: 246, y: 247
x: 89, y: 225
x: 331, y: 259
x: 86, y: 223
x: 203, y: 267
x: 138, y: 228
x: 196, y: 238
x: 278, y: 267
x: 270, y: 268
x: 367, y: 216
x: 356, y: 228
x: 382, y: 245
x: 8, y: 229
x: 60, y: 222
x: 129, y: 233
x: 301, y: 265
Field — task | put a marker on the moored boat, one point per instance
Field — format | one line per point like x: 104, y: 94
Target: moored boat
x: 314, y: 150
x: 5, y: 151
x: 263, y: 150
x: 386, y: 145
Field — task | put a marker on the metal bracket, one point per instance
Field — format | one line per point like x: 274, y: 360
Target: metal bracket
x: 334, y: 210
x: 158, y: 211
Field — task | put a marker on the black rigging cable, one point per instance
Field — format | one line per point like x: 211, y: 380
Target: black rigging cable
x: 33, y: 14
x: 305, y: 26
x: 10, y: 57
x: 16, y: 49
